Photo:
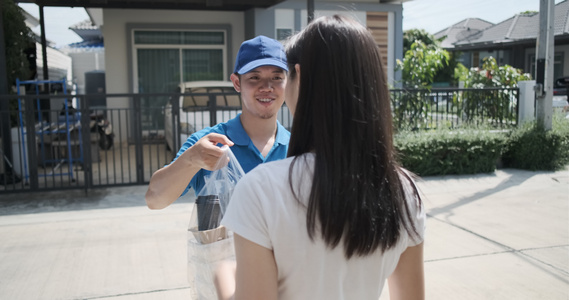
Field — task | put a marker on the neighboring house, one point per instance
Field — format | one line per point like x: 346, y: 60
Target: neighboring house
x: 154, y: 50
x: 463, y: 30
x: 59, y: 64
x: 511, y: 42
x: 59, y: 68
x: 88, y: 55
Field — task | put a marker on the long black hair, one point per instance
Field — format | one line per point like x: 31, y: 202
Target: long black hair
x: 343, y: 115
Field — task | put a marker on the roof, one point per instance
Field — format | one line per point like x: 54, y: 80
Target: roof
x: 98, y: 43
x: 466, y: 28
x: 91, y: 35
x: 87, y: 30
x: 519, y: 28
x: 231, y: 5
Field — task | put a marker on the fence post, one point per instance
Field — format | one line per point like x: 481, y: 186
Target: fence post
x: 463, y: 115
x: 86, y: 135
x: 176, y: 127
x: 526, y: 102
x: 138, y: 140
x: 31, y: 142
x: 212, y: 110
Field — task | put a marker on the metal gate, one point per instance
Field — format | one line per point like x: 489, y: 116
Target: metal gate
x: 57, y: 149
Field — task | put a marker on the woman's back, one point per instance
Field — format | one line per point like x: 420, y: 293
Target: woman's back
x: 334, y: 220
x: 265, y: 211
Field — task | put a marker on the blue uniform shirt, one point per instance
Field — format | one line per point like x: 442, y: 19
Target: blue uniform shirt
x: 244, y: 150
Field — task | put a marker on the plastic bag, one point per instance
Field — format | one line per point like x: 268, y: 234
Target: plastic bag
x: 208, y: 242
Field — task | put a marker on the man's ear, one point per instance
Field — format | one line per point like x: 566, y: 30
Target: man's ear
x: 236, y: 82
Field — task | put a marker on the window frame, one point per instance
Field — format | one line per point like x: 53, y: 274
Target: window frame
x: 132, y: 48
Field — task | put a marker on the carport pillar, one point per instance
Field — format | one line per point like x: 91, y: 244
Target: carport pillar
x: 4, y: 105
x: 310, y: 10
x: 544, y: 65
x: 44, y: 49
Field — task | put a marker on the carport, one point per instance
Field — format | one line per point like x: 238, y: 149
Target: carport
x: 209, y: 5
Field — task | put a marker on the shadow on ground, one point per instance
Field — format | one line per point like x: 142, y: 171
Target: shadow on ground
x: 71, y: 200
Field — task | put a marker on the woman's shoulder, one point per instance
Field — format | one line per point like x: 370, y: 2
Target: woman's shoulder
x: 279, y: 171
x: 282, y: 165
x: 274, y: 166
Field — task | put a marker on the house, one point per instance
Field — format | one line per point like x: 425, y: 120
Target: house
x: 59, y: 69
x: 88, y: 55
x: 511, y: 42
x: 467, y: 28
x: 152, y: 47
x: 59, y: 63
x: 153, y: 51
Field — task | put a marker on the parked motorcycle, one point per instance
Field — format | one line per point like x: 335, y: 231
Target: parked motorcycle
x: 103, y: 127
x: 98, y: 123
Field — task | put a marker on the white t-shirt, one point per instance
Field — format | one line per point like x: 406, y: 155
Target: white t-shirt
x: 264, y: 211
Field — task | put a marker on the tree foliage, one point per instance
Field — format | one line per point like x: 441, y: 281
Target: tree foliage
x: 412, y: 35
x: 444, y: 73
x: 495, y: 103
x: 421, y: 64
x: 493, y: 75
x: 17, y: 38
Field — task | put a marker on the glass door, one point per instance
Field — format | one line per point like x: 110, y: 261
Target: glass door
x: 158, y: 72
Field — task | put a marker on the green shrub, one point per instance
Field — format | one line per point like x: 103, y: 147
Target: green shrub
x: 532, y: 148
x: 441, y: 152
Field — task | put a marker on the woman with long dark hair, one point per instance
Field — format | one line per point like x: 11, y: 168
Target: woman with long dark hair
x: 339, y: 215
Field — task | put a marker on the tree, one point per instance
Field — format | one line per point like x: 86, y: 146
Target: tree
x: 421, y: 64
x: 18, y: 38
x: 412, y: 35
x: 492, y: 75
x: 432, y: 45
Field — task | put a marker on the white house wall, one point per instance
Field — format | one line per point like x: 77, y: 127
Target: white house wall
x: 86, y: 62
x: 359, y: 16
x: 268, y: 21
x: 59, y: 64
x: 118, y: 61
x: 117, y: 45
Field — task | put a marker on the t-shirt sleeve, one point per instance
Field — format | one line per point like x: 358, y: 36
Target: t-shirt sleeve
x: 245, y: 214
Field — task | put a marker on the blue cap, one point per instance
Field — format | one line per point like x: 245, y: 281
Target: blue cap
x: 260, y: 51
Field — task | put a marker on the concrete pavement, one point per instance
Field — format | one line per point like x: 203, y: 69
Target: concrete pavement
x: 503, y: 235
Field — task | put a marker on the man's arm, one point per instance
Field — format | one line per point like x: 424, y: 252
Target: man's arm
x: 408, y: 279
x: 168, y: 183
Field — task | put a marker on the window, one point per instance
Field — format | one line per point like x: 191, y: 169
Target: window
x: 557, y: 65
x: 178, y: 38
x: 165, y: 58
x: 475, y: 58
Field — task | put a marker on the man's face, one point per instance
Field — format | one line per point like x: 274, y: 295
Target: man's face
x: 262, y: 91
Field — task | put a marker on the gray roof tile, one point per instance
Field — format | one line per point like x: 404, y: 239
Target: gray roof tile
x: 518, y: 27
x: 461, y: 30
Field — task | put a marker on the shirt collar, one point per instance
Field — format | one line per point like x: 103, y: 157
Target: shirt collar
x: 283, y: 136
x: 236, y: 133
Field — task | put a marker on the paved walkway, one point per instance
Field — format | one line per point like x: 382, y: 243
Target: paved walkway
x: 503, y: 235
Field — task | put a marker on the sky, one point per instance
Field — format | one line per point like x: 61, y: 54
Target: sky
x: 431, y: 15
x: 436, y: 15
x: 57, y: 22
